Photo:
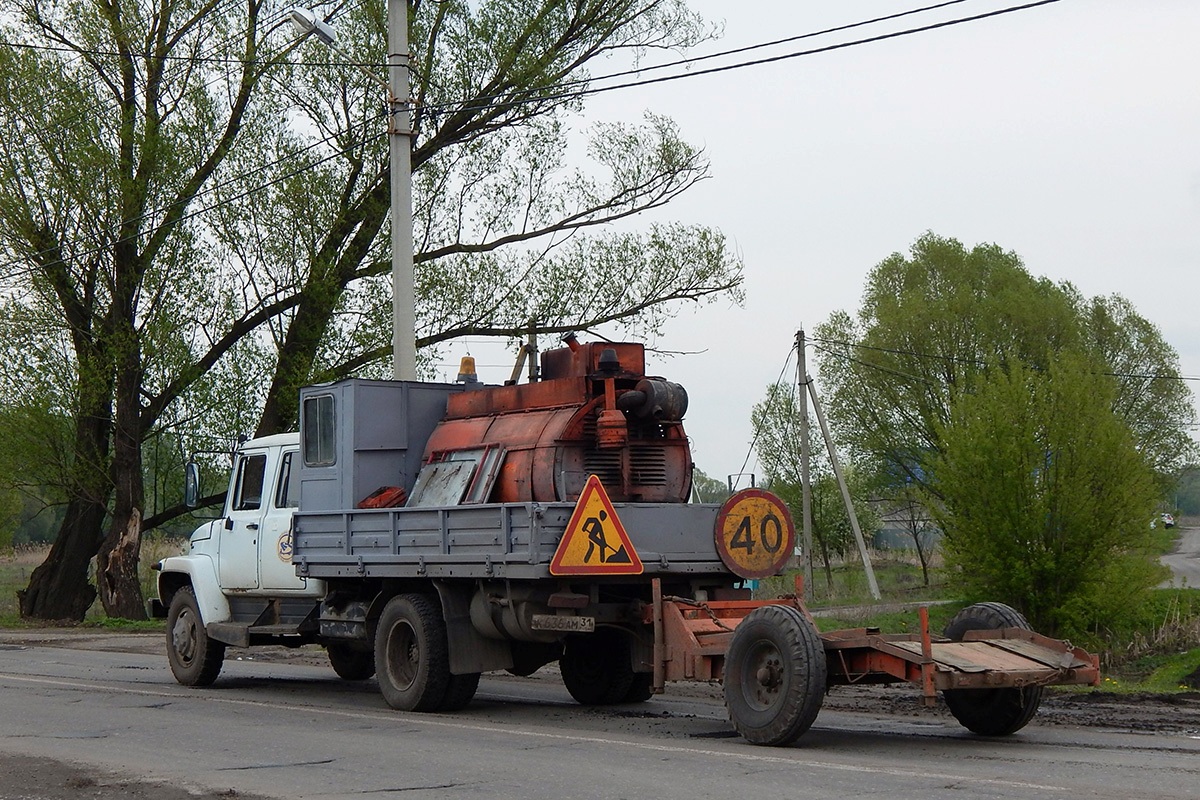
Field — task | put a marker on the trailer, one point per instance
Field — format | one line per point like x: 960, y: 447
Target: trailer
x: 427, y: 533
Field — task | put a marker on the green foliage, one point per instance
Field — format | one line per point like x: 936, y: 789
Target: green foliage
x: 932, y: 322
x: 1175, y: 673
x: 1186, y: 497
x: 1045, y: 497
x: 177, y: 256
x: 707, y: 489
x: 905, y: 620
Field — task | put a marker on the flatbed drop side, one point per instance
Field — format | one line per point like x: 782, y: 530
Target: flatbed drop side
x: 547, y: 522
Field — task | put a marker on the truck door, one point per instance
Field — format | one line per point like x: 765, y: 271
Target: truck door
x: 275, y: 542
x: 238, y: 553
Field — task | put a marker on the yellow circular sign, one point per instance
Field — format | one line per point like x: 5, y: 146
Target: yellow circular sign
x: 754, y: 534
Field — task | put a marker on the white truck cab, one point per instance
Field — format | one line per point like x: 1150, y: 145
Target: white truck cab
x: 236, y: 581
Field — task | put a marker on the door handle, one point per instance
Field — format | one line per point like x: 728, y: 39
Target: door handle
x: 253, y: 526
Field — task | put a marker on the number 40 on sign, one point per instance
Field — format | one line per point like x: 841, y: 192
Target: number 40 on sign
x: 754, y: 534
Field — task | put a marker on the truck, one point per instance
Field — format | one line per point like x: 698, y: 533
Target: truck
x: 425, y: 533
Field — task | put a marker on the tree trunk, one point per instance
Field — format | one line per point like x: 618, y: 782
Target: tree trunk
x: 59, y: 589
x: 117, y: 569
x: 117, y: 561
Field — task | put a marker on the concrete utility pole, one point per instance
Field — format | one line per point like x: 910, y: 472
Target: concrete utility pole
x: 805, y: 454
x: 806, y: 383
x: 404, y: 315
x: 872, y: 584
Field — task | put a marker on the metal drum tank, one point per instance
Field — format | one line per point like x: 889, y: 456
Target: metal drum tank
x: 594, y: 411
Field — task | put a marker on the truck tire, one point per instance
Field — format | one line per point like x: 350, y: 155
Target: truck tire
x: 990, y: 712
x: 641, y: 688
x: 775, y: 675
x: 351, y: 664
x: 596, y: 668
x: 194, y: 658
x: 412, y: 659
x: 459, y: 691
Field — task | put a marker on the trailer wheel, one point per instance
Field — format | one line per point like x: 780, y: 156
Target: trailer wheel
x: 195, y: 659
x: 411, y: 656
x: 596, y: 668
x: 990, y: 712
x: 350, y: 663
x: 775, y: 675
x: 459, y: 691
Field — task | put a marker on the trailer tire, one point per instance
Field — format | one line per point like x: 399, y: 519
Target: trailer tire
x: 351, y: 663
x: 195, y: 659
x: 990, y: 712
x: 412, y: 658
x: 775, y: 675
x: 597, y: 668
x: 459, y: 691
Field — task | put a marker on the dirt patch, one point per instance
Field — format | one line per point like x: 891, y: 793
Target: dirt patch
x: 45, y: 779
x: 1143, y: 711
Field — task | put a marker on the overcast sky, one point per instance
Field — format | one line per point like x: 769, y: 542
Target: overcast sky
x: 1068, y: 133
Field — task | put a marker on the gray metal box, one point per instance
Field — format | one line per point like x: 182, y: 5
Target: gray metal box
x: 357, y: 436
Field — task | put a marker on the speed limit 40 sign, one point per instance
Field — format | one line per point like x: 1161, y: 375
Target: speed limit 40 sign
x: 754, y: 534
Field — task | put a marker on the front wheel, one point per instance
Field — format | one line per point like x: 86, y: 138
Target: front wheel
x: 775, y: 675
x: 195, y: 659
x: 990, y: 712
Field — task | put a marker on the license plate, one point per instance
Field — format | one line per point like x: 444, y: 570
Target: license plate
x: 554, y: 622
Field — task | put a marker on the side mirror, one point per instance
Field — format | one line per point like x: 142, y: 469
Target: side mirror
x: 191, y: 484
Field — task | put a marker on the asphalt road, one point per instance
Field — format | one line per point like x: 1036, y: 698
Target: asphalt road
x: 293, y: 730
x: 1185, y: 562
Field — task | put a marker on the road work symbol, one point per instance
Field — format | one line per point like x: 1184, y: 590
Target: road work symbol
x: 595, y: 541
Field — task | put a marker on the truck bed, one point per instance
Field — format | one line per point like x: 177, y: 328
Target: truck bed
x: 492, y: 541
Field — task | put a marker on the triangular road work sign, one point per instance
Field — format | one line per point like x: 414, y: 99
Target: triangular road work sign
x: 595, y: 542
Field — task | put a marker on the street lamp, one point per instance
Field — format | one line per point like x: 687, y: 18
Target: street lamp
x: 404, y: 317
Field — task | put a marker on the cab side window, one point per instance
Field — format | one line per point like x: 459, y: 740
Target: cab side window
x: 287, y: 494
x: 251, y: 473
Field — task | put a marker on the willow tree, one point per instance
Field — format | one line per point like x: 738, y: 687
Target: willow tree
x: 932, y: 321
x: 202, y: 221
x: 1047, y: 498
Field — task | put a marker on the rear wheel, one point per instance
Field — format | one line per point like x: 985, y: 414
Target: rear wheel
x: 195, y: 659
x: 411, y: 655
x: 775, y: 675
x: 597, y: 668
x: 990, y: 712
x: 351, y: 664
x: 641, y: 688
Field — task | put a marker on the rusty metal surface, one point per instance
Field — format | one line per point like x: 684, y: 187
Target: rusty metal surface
x: 568, y: 426
x: 979, y: 664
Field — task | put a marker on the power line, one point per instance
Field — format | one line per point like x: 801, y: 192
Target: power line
x: 636, y: 71
x: 564, y: 96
